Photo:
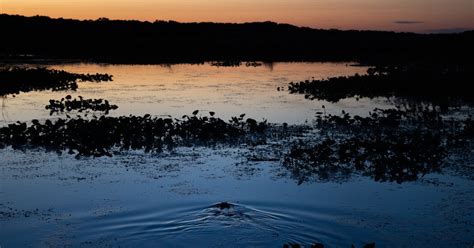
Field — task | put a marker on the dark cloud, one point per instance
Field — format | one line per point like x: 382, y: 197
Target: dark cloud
x: 407, y: 22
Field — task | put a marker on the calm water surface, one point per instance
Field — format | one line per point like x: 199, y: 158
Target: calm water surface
x: 180, y: 89
x: 168, y: 200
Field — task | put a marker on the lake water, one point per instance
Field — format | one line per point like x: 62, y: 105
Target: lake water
x: 168, y: 200
x: 180, y: 89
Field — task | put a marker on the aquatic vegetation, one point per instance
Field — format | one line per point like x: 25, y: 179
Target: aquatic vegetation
x: 14, y: 80
x: 101, y: 136
x: 389, y: 145
x: 427, y: 116
x: 438, y: 83
x: 138, y: 198
x: 235, y: 63
x: 384, y: 157
x: 253, y: 64
x: 228, y: 63
x: 67, y: 104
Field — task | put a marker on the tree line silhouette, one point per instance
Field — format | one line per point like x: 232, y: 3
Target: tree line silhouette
x: 128, y: 41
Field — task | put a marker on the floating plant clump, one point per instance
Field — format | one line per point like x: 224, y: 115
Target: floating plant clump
x: 433, y: 83
x: 101, y: 136
x: 67, y: 104
x: 383, y: 118
x: 388, y: 145
x: 399, y: 144
x: 229, y: 63
x: 388, y: 157
x: 235, y: 63
x: 14, y: 80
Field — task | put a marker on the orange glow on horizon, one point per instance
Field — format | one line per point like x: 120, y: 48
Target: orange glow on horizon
x: 397, y: 15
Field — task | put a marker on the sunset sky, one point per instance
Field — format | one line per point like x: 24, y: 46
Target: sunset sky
x: 398, y: 15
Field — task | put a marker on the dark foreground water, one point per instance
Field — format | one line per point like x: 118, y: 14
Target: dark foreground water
x: 173, y: 199
x: 144, y: 200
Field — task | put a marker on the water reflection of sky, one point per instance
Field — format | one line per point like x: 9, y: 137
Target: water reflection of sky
x: 144, y: 200
x: 135, y: 199
x: 180, y: 89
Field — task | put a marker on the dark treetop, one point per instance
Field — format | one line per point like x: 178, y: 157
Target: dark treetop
x: 167, y: 42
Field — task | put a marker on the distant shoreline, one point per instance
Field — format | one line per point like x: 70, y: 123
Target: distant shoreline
x: 21, y: 60
x: 168, y: 42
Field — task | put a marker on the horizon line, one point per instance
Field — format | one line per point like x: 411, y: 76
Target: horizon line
x: 453, y: 30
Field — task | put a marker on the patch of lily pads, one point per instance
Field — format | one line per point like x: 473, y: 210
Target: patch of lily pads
x: 68, y: 104
x: 389, y: 145
x: 235, y: 63
x: 436, y: 83
x: 103, y: 136
x: 14, y: 80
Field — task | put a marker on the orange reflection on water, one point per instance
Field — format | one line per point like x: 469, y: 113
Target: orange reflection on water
x: 180, y: 89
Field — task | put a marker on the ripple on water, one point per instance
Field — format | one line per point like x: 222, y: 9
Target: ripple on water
x: 219, y: 224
